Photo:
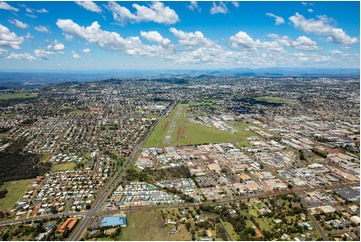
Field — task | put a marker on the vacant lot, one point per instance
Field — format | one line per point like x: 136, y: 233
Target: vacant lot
x: 63, y: 166
x: 144, y: 225
x: 7, y: 96
x: 16, y: 190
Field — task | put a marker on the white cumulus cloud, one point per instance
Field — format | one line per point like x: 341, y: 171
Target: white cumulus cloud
x: 89, y: 5
x: 86, y: 51
x: 235, y: 4
x: 41, y: 28
x: 243, y: 40
x: 193, y: 5
x: 29, y: 36
x: 279, y: 20
x: 155, y: 12
x: 301, y: 43
x: 93, y: 34
x: 322, y: 27
x: 20, y: 56
x: 9, y: 39
x: 3, y: 52
x: 19, y: 24
x: 43, y: 54
x: 43, y: 10
x: 113, y: 41
x: 5, y: 6
x: 155, y: 36
x: 191, y: 38
x: 221, y: 8
x: 75, y: 55
x: 68, y: 37
x: 59, y: 47
x: 336, y: 52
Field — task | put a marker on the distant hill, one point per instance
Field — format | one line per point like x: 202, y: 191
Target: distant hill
x: 245, y: 74
x: 28, y: 79
x: 203, y: 76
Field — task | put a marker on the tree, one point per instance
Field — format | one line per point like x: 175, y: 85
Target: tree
x: 3, y: 193
x: 302, y: 155
x: 267, y: 235
x: 5, y: 236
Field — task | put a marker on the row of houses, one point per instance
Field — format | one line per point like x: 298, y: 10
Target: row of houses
x: 52, y: 192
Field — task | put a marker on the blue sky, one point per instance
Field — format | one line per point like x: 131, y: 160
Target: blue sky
x: 178, y: 35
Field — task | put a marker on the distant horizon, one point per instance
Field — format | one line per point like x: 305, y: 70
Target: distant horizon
x: 173, y: 35
x: 181, y: 69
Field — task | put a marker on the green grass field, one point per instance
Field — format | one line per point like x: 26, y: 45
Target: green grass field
x: 16, y: 190
x: 152, y: 115
x: 8, y: 115
x: 63, y: 166
x: 199, y: 134
x: 45, y: 157
x: 230, y: 230
x: 276, y: 100
x: 79, y: 112
x: 187, y: 132
x: 264, y: 224
x: 144, y: 225
x: 7, y: 96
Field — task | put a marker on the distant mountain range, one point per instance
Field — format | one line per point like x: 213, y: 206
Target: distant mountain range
x: 9, y: 79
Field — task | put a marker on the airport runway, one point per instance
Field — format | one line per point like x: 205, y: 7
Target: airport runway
x: 168, y: 138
